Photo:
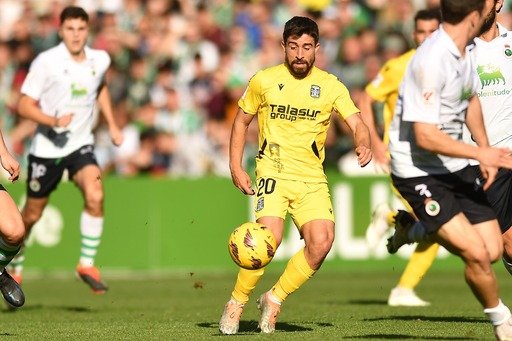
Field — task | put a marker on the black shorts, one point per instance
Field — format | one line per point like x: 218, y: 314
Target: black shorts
x: 436, y: 199
x: 499, y: 195
x: 45, y: 174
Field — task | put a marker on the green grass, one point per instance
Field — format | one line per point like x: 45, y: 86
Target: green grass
x: 339, y: 303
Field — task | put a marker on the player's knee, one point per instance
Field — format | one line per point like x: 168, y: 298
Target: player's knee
x: 322, y: 246
x: 496, y: 253
x: 13, y: 231
x: 94, y: 200
x: 31, y: 216
x: 477, y: 257
x: 15, y: 237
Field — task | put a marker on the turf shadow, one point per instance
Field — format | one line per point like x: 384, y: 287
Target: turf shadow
x: 405, y: 337
x: 251, y: 327
x: 368, y: 302
x: 35, y: 307
x: 431, y: 318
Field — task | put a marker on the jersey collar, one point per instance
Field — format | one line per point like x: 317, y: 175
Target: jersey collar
x: 449, y: 43
x: 64, y: 51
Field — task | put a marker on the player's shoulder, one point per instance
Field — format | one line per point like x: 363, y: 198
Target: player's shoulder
x: 52, y: 54
x: 397, y: 63
x: 97, y: 54
x: 403, y: 59
x: 322, y: 76
x: 272, y: 71
x: 269, y: 75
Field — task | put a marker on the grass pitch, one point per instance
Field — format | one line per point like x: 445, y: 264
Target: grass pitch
x: 342, y: 302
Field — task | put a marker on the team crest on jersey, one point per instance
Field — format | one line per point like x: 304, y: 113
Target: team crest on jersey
x: 507, y: 51
x: 432, y: 207
x: 428, y: 96
x: 314, y: 91
x: 35, y: 186
x: 260, y: 204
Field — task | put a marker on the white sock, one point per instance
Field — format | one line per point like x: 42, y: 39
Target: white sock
x: 91, y: 229
x: 499, y: 314
x: 274, y: 299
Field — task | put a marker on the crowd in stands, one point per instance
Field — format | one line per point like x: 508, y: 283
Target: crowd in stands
x: 179, y: 67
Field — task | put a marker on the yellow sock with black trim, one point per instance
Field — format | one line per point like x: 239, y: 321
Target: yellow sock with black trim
x: 421, y: 260
x: 390, y: 218
x: 245, y: 283
x: 297, y: 272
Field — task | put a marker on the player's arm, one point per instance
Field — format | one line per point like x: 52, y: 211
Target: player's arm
x: 361, y: 136
x: 29, y: 108
x: 105, y: 104
x: 379, y: 148
x: 236, y: 151
x: 430, y: 138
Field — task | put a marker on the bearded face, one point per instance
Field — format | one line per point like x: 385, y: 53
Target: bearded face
x: 299, y: 55
x: 488, y: 21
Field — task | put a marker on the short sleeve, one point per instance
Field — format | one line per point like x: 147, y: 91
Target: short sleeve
x: 343, y: 103
x: 422, y: 93
x: 252, y: 97
x: 34, y: 83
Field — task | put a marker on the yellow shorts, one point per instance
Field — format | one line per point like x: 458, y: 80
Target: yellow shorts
x: 305, y: 201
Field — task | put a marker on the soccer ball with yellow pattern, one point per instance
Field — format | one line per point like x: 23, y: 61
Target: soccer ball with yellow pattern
x: 252, y: 246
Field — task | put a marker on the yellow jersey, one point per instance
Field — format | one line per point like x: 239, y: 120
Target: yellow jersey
x: 384, y: 87
x: 293, y: 118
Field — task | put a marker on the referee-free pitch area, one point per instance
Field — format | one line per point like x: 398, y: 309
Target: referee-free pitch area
x: 342, y: 302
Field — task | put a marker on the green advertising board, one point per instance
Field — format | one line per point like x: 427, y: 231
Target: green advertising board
x: 162, y: 223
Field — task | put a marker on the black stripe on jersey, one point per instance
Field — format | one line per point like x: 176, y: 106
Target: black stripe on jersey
x: 262, y: 149
x: 315, y: 149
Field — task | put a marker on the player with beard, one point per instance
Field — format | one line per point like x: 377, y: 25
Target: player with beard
x: 492, y: 57
x: 430, y: 162
x: 293, y: 102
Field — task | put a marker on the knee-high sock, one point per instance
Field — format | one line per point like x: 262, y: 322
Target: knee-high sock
x: 7, y: 253
x: 91, y: 229
x: 245, y: 284
x: 418, y: 265
x: 297, y: 272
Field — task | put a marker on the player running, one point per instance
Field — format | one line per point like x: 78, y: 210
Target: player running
x: 60, y: 93
x: 293, y: 102
x: 384, y: 88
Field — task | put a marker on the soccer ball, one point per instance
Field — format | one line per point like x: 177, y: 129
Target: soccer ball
x: 252, y: 246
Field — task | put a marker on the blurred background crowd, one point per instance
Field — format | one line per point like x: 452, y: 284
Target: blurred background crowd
x: 179, y: 67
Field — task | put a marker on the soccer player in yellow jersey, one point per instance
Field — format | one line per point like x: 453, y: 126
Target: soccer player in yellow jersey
x: 293, y: 102
x: 384, y: 88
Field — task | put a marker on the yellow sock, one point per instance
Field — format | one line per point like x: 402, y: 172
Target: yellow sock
x: 245, y: 284
x: 418, y: 265
x: 297, y: 272
x: 391, y: 218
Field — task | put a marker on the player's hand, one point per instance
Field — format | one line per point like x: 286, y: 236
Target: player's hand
x: 116, y: 135
x: 242, y: 181
x: 495, y: 157
x: 489, y: 174
x: 64, y: 120
x: 11, y: 166
x: 364, y: 155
